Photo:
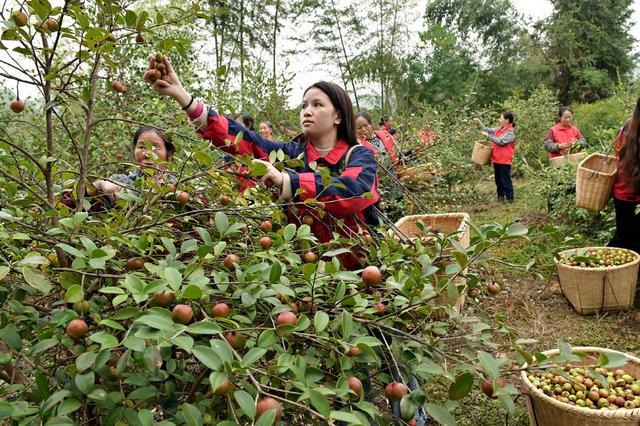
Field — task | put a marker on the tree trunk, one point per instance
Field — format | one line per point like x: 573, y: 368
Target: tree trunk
x: 275, y: 35
x: 344, y: 52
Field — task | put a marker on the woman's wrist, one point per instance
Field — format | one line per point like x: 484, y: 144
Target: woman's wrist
x: 183, y: 98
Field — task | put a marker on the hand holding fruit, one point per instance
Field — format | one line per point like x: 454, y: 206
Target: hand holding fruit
x: 485, y: 134
x: 106, y: 187
x: 163, y: 79
x: 273, y: 177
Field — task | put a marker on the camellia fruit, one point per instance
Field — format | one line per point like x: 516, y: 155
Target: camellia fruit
x: 266, y: 226
x: 487, y: 385
x: 395, y: 391
x: 223, y: 389
x: 371, y: 275
x: 182, y: 314
x: 135, y: 263
x: 236, y: 340
x: 307, y: 219
x: 287, y: 317
x: 220, y: 310
x: 117, y: 86
x: 267, y: 404
x: 51, y: 24
x: 77, y: 329
x: 139, y: 39
x: 81, y: 307
x: 225, y: 200
x: 163, y: 299
x: 473, y: 292
x: 380, y: 307
x: 230, y: 260
x: 353, y: 351
x: 17, y: 106
x: 355, y: 385
x: 493, y: 288
x: 265, y: 242
x: 112, y: 38
x: 19, y: 18
x: 310, y: 257
x: 182, y: 197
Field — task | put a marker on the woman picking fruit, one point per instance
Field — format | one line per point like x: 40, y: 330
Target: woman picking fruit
x: 386, y: 124
x: 328, y: 140
x: 266, y: 130
x: 564, y: 135
x: 626, y: 186
x: 380, y: 142
x: 504, y: 145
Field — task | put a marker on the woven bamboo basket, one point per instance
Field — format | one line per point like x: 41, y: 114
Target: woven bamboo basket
x: 569, y: 158
x: 594, y: 181
x: 423, y: 172
x: 442, y: 299
x: 447, y: 223
x: 592, y: 290
x: 482, y: 152
x: 546, y: 411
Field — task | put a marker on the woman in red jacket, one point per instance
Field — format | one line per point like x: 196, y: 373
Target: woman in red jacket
x: 504, y: 145
x: 328, y: 140
x: 626, y: 186
x: 379, y: 142
x: 564, y: 135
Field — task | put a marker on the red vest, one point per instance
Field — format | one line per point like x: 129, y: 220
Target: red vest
x: 563, y: 134
x: 621, y: 189
x: 389, y: 145
x: 503, y: 154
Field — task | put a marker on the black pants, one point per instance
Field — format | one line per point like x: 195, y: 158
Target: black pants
x: 627, y: 226
x: 502, y: 173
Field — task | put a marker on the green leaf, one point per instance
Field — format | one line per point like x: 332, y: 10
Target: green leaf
x: 145, y: 417
x: 275, y: 273
x: 85, y: 382
x: 74, y: 294
x: 54, y: 399
x: 222, y: 222
x: 37, y: 280
x: 320, y: 403
x: 192, y: 415
x: 173, y: 277
x: 204, y: 327
x: 252, y: 356
x: 134, y: 343
x: 489, y: 365
x: 268, y: 417
x: 106, y: 339
x: 347, y: 324
x: 461, y: 387
x: 344, y: 416
x: 4, y: 270
x: 142, y: 393
x: 192, y: 292
x: 156, y: 321
x: 112, y: 324
x: 68, y: 406
x: 440, y: 414
x: 85, y: 361
x: 43, y: 346
x: 207, y: 356
x: 517, y: 230
x: 320, y: 321
x: 612, y: 360
x: 245, y: 401
x: 289, y: 232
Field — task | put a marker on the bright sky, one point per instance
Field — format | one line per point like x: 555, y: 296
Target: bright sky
x: 306, y: 73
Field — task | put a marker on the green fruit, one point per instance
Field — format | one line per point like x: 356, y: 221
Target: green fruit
x: 81, y: 307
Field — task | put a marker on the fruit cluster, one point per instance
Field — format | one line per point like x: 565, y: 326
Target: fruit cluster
x: 600, y: 257
x: 159, y: 71
x: 622, y: 390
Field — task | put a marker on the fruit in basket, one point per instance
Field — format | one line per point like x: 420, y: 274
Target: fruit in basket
x: 579, y: 386
x: 600, y: 257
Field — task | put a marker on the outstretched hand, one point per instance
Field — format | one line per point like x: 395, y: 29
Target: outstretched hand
x: 273, y: 177
x: 163, y: 79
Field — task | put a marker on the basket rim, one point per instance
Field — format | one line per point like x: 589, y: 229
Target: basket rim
x: 605, y: 268
x: 599, y: 172
x: 588, y: 412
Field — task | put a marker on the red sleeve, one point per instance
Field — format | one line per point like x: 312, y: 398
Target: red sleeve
x: 550, y: 135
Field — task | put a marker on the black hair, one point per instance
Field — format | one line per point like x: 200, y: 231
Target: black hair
x: 246, y: 120
x: 342, y: 103
x: 268, y: 124
x: 168, y: 143
x: 365, y: 115
x: 509, y: 116
x: 563, y: 109
x: 383, y: 119
x: 630, y: 151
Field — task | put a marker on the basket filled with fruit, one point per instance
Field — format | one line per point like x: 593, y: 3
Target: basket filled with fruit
x: 428, y: 226
x: 598, y: 279
x: 569, y: 158
x: 574, y: 395
x: 482, y: 152
x: 594, y: 181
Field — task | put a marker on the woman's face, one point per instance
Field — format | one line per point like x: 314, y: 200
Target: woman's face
x: 364, y: 128
x: 265, y: 131
x: 389, y: 122
x: 318, y: 117
x: 145, y: 157
x: 565, y: 118
x: 503, y: 121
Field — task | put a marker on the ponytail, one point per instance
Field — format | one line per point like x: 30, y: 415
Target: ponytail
x: 630, y: 151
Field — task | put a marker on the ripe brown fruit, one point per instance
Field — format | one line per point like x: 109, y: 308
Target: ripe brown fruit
x: 265, y: 242
x: 473, y: 292
x: 223, y: 389
x: 117, y: 86
x: 220, y: 310
x: 81, y: 307
x: 307, y: 219
x: 355, y: 385
x: 51, y: 24
x: 135, y: 263
x: 182, y: 197
x: 225, y: 200
x: 236, y: 340
x: 306, y: 305
x: 395, y: 391
x: 266, y: 226
x: 77, y: 329
x: 294, y: 307
x: 353, y: 351
x: 371, y: 275
x: 182, y: 314
x: 267, y: 404
x: 493, y: 288
x: 487, y: 385
x: 230, y: 260
x: 287, y: 317
x: 310, y: 257
x: 19, y: 18
x: 17, y: 105
x: 163, y: 299
x: 380, y: 307
x: 139, y: 39
x: 112, y: 37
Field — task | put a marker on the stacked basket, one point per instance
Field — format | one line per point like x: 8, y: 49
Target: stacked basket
x: 592, y: 290
x: 569, y: 158
x: 422, y: 172
x: 546, y: 411
x: 594, y: 181
x: 481, y: 154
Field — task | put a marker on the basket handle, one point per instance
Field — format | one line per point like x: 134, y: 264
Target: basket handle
x: 606, y: 280
x: 597, y: 169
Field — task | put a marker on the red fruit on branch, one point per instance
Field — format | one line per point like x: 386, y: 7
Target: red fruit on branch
x: 310, y: 257
x: 493, y: 288
x: 17, y: 106
x: 307, y: 219
x: 287, y: 317
x: 19, y: 18
x: 265, y: 242
x: 182, y: 197
x: 223, y: 389
x: 139, y: 39
x: 395, y: 391
x: 182, y: 314
x: 163, y: 299
x: 230, y: 260
x: 487, y: 385
x: 225, y: 200
x: 117, y: 86
x: 267, y: 404
x: 355, y: 385
x: 380, y: 307
x: 77, y: 329
x: 353, y: 351
x: 220, y: 310
x: 134, y: 263
x: 266, y: 226
x: 371, y: 275
x: 237, y: 340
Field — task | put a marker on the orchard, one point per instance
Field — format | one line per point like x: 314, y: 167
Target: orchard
x: 192, y: 300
